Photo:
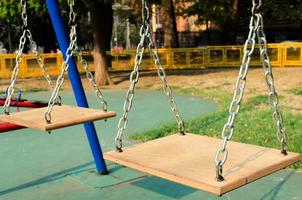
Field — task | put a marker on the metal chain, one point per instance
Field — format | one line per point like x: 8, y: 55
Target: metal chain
x: 228, y: 128
x: 23, y: 13
x: 162, y: 74
x: 69, y: 53
x: 273, y: 96
x: 145, y: 33
x: 79, y: 54
x: 91, y: 78
x: 64, y: 66
x: 39, y: 59
x: 11, y: 88
x: 134, y: 76
x: 26, y: 35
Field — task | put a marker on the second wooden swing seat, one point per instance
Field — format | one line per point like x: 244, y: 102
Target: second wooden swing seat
x: 62, y: 116
x: 188, y: 160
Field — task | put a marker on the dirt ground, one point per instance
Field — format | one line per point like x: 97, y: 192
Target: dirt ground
x: 286, y: 79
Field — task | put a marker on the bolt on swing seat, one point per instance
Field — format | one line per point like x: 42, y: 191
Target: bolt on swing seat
x: 62, y: 116
x: 188, y: 160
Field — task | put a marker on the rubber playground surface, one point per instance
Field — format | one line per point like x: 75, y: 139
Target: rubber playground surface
x: 35, y: 165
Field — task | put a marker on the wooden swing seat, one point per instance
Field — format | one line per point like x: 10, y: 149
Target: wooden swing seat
x: 189, y: 160
x: 61, y: 116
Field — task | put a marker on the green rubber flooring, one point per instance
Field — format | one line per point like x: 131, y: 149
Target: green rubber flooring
x: 38, y: 166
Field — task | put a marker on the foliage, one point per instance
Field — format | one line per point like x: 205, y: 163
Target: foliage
x: 11, y: 22
x: 218, y: 11
x: 10, y: 10
x: 208, y: 10
x: 296, y: 91
x: 289, y: 11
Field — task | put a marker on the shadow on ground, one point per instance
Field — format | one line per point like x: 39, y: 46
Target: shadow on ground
x: 47, y: 179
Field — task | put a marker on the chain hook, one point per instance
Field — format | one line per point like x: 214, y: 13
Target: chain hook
x: 219, y: 169
x: 118, y: 145
x: 48, y: 118
x: 283, y: 147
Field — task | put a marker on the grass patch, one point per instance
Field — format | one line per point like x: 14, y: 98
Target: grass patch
x: 258, y: 100
x: 34, y: 90
x: 254, y: 125
x: 296, y: 91
x: 216, y: 95
x: 29, y: 90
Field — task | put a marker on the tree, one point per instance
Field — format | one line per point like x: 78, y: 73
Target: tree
x: 101, y: 26
x: 169, y: 25
x: 10, y: 18
x: 167, y: 12
x: 101, y: 23
x: 222, y: 13
x: 7, y: 16
x: 230, y: 15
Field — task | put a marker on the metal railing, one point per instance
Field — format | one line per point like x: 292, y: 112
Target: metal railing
x: 281, y: 54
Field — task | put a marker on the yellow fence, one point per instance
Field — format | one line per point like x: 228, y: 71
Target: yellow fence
x: 281, y: 54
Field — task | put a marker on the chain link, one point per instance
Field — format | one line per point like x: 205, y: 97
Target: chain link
x: 79, y: 54
x: 73, y: 47
x: 228, y: 128
x: 11, y: 88
x: 91, y: 78
x: 39, y: 59
x: 23, y: 13
x: 145, y: 35
x: 273, y: 96
x: 25, y: 35
x: 167, y: 89
x: 256, y: 31
x: 64, y: 66
x: 134, y: 76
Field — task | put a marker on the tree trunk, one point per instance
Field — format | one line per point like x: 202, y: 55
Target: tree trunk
x: 231, y: 24
x: 9, y: 33
x: 102, y: 23
x: 169, y: 25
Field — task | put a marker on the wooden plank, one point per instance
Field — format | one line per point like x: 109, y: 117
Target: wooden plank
x: 61, y: 116
x: 189, y: 160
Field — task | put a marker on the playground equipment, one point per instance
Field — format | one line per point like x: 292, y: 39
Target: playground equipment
x: 24, y: 103
x: 8, y: 101
x: 18, y: 103
x: 186, y: 158
x: 63, y: 116
x: 183, y: 158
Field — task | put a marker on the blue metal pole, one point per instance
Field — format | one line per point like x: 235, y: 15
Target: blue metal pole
x: 75, y: 79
